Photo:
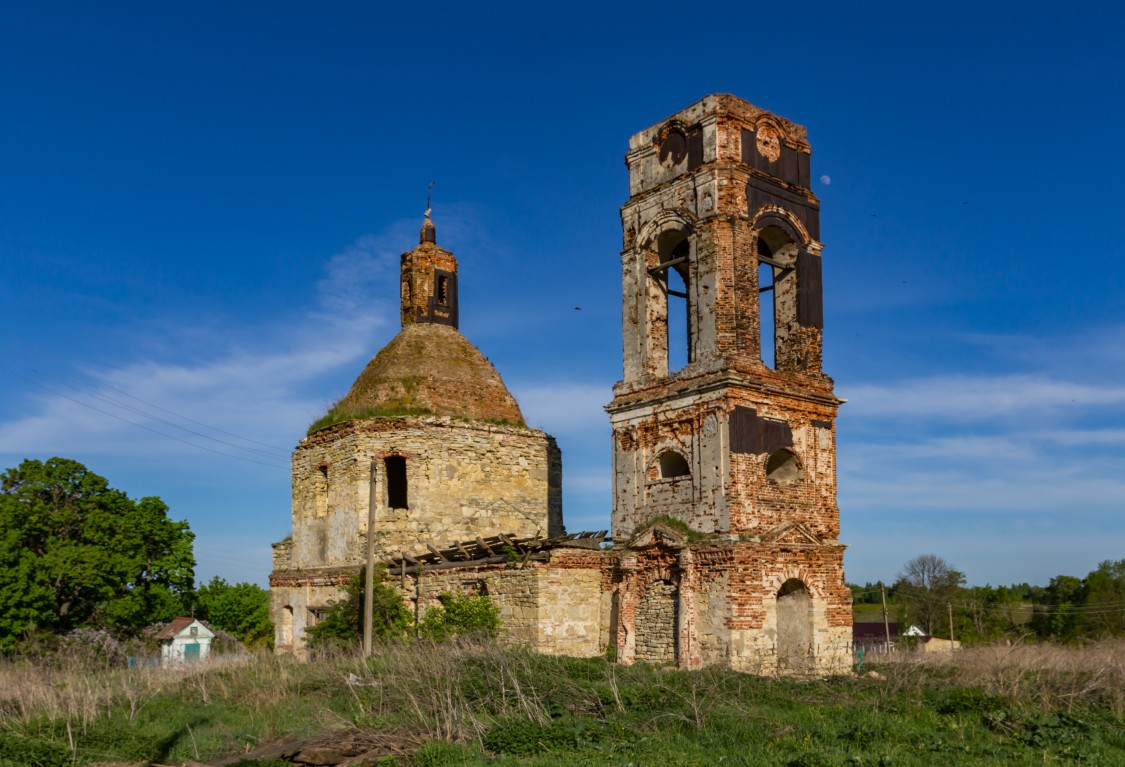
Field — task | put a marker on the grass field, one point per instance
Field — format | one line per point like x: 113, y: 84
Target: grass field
x: 483, y: 705
x: 869, y: 613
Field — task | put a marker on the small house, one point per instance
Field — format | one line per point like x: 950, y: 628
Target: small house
x: 184, y: 640
x: 930, y: 643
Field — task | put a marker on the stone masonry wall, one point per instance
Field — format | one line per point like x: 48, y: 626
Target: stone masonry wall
x: 558, y: 607
x: 656, y: 623
x: 554, y: 607
x: 295, y: 604
x: 464, y: 479
x: 515, y: 592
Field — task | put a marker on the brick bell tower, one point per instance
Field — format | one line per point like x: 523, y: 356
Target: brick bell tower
x: 724, y: 419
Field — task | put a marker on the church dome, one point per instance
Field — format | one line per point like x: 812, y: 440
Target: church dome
x: 428, y: 369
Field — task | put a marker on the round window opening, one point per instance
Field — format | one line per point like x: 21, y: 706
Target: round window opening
x: 672, y: 464
x: 783, y: 468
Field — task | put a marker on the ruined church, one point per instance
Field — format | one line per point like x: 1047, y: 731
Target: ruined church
x: 723, y: 547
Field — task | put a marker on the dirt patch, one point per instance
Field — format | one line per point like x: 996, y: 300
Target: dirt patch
x: 356, y: 748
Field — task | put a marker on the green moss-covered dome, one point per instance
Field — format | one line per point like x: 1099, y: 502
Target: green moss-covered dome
x: 428, y: 369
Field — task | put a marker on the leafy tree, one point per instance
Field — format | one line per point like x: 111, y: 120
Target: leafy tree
x: 1072, y: 608
x: 76, y: 552
x: 1104, y: 605
x: 241, y: 609
x: 342, y: 624
x: 985, y: 613
x: 1055, y: 614
x: 926, y: 586
x: 868, y: 594
x: 461, y: 615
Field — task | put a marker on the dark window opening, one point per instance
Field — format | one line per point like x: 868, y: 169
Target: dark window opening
x: 442, y: 290
x: 395, y: 466
x: 321, y: 491
x: 672, y: 464
x: 673, y: 149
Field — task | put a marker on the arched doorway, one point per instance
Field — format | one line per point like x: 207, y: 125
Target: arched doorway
x: 285, y: 629
x: 656, y: 624
x: 794, y: 627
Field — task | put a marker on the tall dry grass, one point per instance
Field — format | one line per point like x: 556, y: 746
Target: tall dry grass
x: 455, y: 691
x: 432, y: 690
x: 1035, y: 676
x: 74, y: 691
x: 77, y: 690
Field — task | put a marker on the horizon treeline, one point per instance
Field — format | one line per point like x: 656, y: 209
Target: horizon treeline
x: 1069, y: 608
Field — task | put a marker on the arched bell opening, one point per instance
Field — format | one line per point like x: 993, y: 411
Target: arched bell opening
x: 776, y: 251
x: 671, y: 317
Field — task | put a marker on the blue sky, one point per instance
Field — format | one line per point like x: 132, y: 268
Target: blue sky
x: 201, y: 210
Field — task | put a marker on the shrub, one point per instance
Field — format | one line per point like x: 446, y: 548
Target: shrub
x: 460, y: 615
x: 19, y: 751
x: 342, y: 623
x: 439, y: 753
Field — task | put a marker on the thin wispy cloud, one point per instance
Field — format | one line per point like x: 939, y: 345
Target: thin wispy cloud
x: 976, y: 398
x: 574, y: 409
x: 1011, y: 456
x: 259, y: 381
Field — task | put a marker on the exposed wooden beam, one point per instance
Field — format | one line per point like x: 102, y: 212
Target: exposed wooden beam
x: 776, y: 263
x: 667, y: 264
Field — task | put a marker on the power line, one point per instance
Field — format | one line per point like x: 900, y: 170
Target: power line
x: 91, y: 391
x: 138, y: 411
x: 139, y: 425
x: 192, y: 420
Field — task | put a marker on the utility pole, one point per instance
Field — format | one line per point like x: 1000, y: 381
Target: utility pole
x: 950, y: 626
x: 886, y: 624
x: 369, y: 575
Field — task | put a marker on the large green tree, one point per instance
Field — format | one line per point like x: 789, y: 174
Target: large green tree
x: 241, y: 609
x: 1104, y: 611
x: 76, y: 552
